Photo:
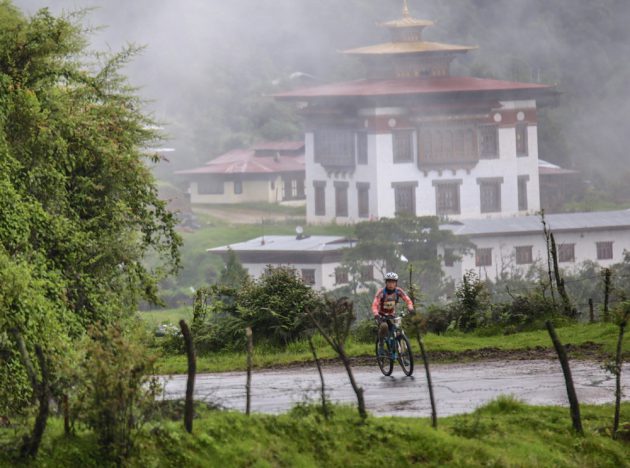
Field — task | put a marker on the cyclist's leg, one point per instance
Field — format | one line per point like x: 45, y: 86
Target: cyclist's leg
x: 383, y: 332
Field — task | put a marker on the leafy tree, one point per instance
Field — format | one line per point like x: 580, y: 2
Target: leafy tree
x: 234, y: 274
x: 385, y: 242
x: 79, y: 210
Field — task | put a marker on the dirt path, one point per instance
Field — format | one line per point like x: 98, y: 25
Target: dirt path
x: 459, y: 388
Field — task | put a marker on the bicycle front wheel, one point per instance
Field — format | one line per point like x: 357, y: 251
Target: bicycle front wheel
x: 405, y: 356
x: 383, y: 357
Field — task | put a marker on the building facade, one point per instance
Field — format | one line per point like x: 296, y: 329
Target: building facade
x: 269, y: 172
x: 411, y: 138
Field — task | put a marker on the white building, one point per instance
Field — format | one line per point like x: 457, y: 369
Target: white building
x: 410, y: 138
x: 317, y: 259
x: 515, y: 244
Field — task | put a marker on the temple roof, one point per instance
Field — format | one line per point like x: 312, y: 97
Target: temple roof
x: 408, y: 48
x: 408, y: 86
x: 408, y: 22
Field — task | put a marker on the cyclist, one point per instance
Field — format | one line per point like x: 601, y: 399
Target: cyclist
x: 384, y: 304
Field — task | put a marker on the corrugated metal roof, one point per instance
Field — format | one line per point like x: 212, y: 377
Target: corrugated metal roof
x: 246, y: 162
x: 278, y: 145
x: 401, y: 86
x: 288, y: 243
x: 532, y: 224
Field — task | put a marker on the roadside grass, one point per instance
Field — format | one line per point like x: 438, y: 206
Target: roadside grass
x: 504, y: 432
x: 298, y: 353
x: 153, y: 318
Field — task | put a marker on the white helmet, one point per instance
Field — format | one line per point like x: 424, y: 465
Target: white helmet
x: 391, y: 276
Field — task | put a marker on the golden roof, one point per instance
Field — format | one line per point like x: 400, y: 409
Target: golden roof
x: 407, y: 48
x: 407, y: 21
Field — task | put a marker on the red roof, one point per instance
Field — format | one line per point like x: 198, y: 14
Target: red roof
x: 244, y: 161
x: 401, y: 86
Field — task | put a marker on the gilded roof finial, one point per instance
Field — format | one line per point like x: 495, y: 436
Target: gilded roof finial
x: 405, y: 9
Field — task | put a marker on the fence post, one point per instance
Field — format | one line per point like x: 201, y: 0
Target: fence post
x: 591, y: 312
x: 248, y: 385
x: 190, y: 382
x: 607, y: 275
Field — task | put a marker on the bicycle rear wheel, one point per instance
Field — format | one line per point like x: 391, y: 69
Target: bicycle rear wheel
x: 405, y: 356
x: 383, y: 357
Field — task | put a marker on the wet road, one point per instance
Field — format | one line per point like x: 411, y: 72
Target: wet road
x: 459, y: 388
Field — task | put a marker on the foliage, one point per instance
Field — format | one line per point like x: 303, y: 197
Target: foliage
x: 116, y: 391
x: 472, y: 299
x: 383, y: 243
x: 513, y: 434
x: 233, y: 274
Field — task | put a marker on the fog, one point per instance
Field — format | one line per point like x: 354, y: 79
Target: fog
x: 208, y: 66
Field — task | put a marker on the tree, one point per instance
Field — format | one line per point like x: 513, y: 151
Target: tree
x: 234, y: 274
x: 383, y: 243
x: 79, y: 210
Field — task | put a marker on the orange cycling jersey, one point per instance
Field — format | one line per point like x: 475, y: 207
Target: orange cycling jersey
x: 385, y: 301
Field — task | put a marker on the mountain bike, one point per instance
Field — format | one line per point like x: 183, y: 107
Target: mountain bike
x: 395, y: 347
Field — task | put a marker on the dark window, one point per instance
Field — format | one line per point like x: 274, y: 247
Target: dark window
x: 300, y: 188
x: 566, y: 253
x: 488, y: 147
x: 449, y: 257
x: 604, y: 250
x: 320, y: 198
x: 405, y: 199
x: 490, y: 196
x: 308, y: 276
x: 447, y: 198
x: 522, y: 192
x: 483, y: 257
x: 238, y: 187
x: 403, y: 146
x: 363, y: 199
x: 367, y: 273
x: 446, y: 145
x: 334, y: 147
x: 362, y: 148
x: 521, y: 140
x: 524, y: 255
x: 210, y: 187
x: 341, y: 275
x: 341, y: 199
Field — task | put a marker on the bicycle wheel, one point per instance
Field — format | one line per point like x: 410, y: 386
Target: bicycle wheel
x: 405, y: 356
x: 385, y: 363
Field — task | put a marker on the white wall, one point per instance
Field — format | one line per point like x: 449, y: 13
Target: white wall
x: 503, y: 258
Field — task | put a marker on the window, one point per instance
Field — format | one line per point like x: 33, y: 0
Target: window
x: 446, y: 145
x: 334, y: 147
x: 449, y: 257
x: 604, y: 250
x: 300, y: 188
x: 524, y: 255
x: 367, y: 273
x: 362, y: 148
x: 490, y: 195
x: 320, y: 198
x: 522, y: 192
x: 483, y: 257
x: 566, y: 253
x: 521, y: 140
x: 210, y: 187
x: 341, y: 275
x: 363, y: 199
x: 238, y: 187
x: 403, y: 146
x: 447, y: 198
x: 341, y: 199
x: 405, y: 198
x: 488, y: 147
x: 308, y: 276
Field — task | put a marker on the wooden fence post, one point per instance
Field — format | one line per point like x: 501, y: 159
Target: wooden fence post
x: 591, y: 311
x: 248, y: 385
x: 190, y: 383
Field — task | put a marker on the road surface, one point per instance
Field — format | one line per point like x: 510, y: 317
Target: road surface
x: 459, y: 388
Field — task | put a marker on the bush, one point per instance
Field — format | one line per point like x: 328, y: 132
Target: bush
x: 364, y: 331
x: 117, y: 392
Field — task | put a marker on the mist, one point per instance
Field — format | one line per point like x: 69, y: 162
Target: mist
x: 208, y: 67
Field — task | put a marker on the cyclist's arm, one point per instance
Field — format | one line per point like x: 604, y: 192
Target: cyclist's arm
x: 376, y: 303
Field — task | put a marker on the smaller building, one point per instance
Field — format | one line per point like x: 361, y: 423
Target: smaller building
x: 268, y: 172
x: 317, y: 259
x: 512, y: 245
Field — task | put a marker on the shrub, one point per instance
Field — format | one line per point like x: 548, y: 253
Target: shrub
x: 364, y: 331
x: 117, y: 391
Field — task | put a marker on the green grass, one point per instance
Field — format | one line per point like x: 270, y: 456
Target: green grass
x: 503, y: 433
x: 295, y: 353
x: 153, y: 318
x: 275, y: 208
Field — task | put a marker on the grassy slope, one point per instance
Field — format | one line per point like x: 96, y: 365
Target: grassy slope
x: 604, y: 334
x: 503, y: 433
